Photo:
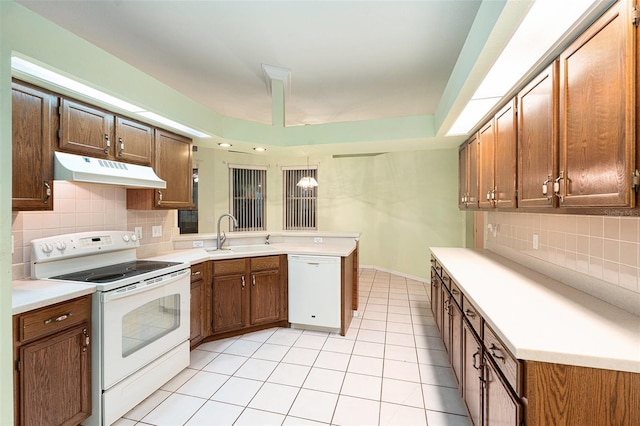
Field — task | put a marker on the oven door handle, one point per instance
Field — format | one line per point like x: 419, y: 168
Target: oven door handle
x: 127, y: 291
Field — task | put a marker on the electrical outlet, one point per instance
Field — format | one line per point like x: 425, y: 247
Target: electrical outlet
x: 198, y: 243
x: 317, y: 239
x: 138, y: 231
x: 156, y: 231
x: 536, y: 244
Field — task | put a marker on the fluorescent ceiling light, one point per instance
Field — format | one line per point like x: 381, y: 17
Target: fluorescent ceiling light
x: 167, y: 122
x: 25, y: 67
x: 546, y: 23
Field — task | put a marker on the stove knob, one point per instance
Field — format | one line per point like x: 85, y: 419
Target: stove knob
x: 47, y: 248
x: 125, y: 238
x: 61, y: 246
x: 134, y: 237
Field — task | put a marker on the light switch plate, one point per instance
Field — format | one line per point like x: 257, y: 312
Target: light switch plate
x: 198, y: 243
x: 156, y: 231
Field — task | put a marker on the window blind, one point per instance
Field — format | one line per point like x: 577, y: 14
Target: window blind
x: 300, y: 204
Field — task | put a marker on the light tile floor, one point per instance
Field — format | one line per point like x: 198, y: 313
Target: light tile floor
x: 390, y: 369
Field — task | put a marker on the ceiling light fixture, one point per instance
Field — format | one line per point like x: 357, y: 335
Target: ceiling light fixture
x: 225, y: 144
x: 307, y: 182
x: 23, y: 67
x: 259, y: 149
x: 525, y: 50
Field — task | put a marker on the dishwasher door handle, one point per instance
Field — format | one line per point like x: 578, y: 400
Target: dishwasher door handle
x: 313, y: 264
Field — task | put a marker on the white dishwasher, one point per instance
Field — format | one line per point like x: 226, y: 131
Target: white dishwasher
x: 314, y: 290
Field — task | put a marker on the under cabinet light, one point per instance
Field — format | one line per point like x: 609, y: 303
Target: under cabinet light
x: 22, y: 66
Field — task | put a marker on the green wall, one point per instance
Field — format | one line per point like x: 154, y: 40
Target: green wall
x: 402, y: 202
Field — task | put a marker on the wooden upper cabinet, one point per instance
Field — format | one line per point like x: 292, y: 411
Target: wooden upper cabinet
x: 463, y: 176
x: 85, y: 129
x: 33, y: 133
x: 486, y: 157
x: 134, y: 142
x: 91, y: 131
x: 173, y: 164
x: 468, y: 174
x: 505, y: 124
x: 538, y: 140
x: 597, y: 114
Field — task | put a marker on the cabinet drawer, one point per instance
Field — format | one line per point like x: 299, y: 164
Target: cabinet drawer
x: 228, y: 267
x: 197, y: 272
x: 472, y: 315
x: 44, y: 321
x: 265, y: 262
x: 506, y: 362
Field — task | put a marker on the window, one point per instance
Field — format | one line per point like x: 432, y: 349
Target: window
x: 248, y: 192
x: 300, y: 204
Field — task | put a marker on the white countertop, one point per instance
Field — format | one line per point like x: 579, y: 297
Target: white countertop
x: 29, y: 294
x: 541, y: 319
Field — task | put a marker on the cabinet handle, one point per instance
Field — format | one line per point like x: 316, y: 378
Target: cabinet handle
x: 493, y: 348
x: 253, y: 280
x: 58, y: 319
x: 121, y: 147
x: 556, y: 186
x: 242, y: 279
x: 47, y: 193
x: 445, y: 306
x: 193, y: 274
x: 474, y: 360
x: 489, y: 195
x: 454, y: 292
x: 469, y: 313
x: 108, y: 147
x: 87, y: 340
x: 159, y: 197
x: 545, y: 187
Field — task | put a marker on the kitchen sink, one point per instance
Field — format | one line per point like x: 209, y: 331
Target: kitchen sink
x: 243, y: 249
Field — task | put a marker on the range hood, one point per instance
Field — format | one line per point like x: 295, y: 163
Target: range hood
x: 79, y: 168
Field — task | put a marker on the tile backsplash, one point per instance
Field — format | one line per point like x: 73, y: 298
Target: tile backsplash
x: 81, y: 207
x: 598, y: 249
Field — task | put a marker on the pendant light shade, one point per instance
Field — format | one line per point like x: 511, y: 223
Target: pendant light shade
x: 307, y: 182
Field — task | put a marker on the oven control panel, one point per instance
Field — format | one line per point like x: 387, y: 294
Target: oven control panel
x: 81, y: 244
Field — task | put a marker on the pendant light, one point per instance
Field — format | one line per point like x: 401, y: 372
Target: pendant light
x: 307, y: 182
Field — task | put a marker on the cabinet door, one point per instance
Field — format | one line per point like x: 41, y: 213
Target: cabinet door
x: 85, y: 130
x: 436, y: 300
x: 456, y: 341
x: 472, y: 368
x: 196, y: 314
x: 505, y: 156
x: 173, y: 164
x: 472, y: 201
x: 500, y: 406
x: 538, y: 140
x: 229, y: 301
x: 486, y: 155
x: 33, y: 124
x: 265, y: 297
x: 55, y: 379
x: 446, y: 319
x: 134, y: 142
x: 463, y: 176
x: 597, y: 114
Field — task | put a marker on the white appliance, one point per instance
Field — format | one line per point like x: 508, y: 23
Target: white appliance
x: 314, y: 291
x: 140, y: 314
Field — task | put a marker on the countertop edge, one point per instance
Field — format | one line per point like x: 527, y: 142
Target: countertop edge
x: 606, y: 359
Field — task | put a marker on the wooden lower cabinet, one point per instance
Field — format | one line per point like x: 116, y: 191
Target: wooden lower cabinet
x: 471, y: 373
x: 499, y: 389
x: 199, y: 298
x: 52, y: 379
x: 249, y: 292
x: 501, y: 407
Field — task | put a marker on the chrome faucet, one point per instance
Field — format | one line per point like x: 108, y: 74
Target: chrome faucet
x: 220, y: 241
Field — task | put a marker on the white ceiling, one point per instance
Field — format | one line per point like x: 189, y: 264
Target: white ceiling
x: 349, y: 60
